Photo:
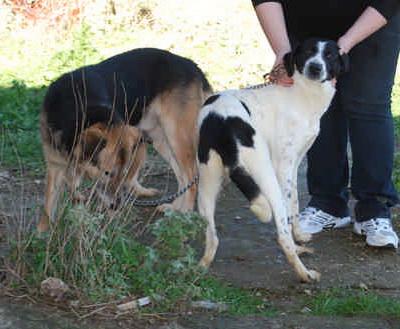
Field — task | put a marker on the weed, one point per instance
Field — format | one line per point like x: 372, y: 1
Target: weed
x: 339, y: 302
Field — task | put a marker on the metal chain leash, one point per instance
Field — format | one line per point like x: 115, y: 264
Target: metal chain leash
x: 166, y: 199
x: 272, y: 77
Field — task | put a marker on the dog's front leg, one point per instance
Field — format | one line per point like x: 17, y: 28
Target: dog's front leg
x: 73, y: 180
x: 298, y: 234
x: 287, y: 166
x: 54, y: 183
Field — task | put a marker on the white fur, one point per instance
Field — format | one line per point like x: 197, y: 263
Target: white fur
x: 286, y: 121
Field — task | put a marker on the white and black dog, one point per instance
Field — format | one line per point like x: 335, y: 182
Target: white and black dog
x: 258, y: 136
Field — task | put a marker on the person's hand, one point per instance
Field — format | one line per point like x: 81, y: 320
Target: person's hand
x: 278, y: 73
x: 344, y: 44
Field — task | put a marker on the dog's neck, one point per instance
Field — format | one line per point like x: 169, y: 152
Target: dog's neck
x: 311, y: 87
x: 318, y: 93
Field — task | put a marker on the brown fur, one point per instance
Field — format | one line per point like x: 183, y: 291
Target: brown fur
x: 170, y: 121
x: 122, y: 152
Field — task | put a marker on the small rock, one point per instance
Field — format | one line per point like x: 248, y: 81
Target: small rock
x: 306, y: 310
x: 308, y: 292
x: 74, y: 303
x: 4, y: 175
x: 54, y: 288
x: 363, y: 286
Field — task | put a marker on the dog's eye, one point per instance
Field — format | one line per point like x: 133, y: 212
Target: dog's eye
x: 328, y: 55
x: 107, y: 173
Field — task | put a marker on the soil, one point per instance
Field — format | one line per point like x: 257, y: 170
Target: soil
x: 248, y: 256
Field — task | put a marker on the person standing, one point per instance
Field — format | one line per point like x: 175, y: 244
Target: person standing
x: 369, y: 31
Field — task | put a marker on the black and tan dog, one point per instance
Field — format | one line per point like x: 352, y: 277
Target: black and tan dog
x: 93, y: 120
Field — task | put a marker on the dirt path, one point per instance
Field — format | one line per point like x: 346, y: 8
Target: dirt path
x: 249, y: 257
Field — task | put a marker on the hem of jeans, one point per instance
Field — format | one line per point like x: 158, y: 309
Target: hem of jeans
x: 329, y: 210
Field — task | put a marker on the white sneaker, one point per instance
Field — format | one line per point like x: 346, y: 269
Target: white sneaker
x: 313, y: 220
x: 379, y: 232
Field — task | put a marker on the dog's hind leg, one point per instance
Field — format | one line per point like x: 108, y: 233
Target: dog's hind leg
x: 258, y: 203
x: 258, y: 164
x: 211, y: 177
x: 178, y: 118
x: 54, y: 183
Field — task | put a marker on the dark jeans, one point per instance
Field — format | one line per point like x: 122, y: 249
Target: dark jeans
x: 360, y: 113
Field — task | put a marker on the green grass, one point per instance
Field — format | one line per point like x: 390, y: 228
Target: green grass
x: 353, y: 303
x: 240, y: 301
x: 21, y: 95
x: 101, y: 260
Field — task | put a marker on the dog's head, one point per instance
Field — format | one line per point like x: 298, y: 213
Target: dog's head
x: 105, y: 151
x: 317, y: 59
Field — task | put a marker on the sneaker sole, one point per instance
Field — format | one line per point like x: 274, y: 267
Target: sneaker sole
x: 390, y: 245
x: 342, y: 223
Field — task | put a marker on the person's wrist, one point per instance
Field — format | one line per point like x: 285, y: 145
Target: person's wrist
x: 345, y: 44
x: 280, y: 54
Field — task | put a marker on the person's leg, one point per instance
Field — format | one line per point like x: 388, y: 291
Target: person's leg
x: 366, y: 96
x: 328, y: 172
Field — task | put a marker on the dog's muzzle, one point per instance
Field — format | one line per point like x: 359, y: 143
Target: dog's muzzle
x: 315, y: 71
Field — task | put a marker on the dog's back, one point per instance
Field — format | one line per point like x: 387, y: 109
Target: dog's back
x: 115, y: 90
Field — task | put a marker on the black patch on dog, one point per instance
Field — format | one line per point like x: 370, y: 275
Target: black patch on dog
x: 222, y: 135
x: 245, y: 107
x: 117, y: 89
x: 245, y: 183
x: 211, y: 99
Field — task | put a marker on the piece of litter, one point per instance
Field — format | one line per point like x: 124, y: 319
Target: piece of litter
x: 134, y: 304
x: 208, y: 305
x: 308, y: 292
x: 306, y: 310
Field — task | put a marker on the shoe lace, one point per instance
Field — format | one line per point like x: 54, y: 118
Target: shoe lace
x: 316, y: 216
x: 377, y: 223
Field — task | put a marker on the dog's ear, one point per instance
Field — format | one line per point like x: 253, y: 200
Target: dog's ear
x: 131, y: 138
x: 92, y: 141
x: 289, y: 63
x: 344, y: 63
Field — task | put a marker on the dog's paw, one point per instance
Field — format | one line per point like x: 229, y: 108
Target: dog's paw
x: 146, y: 192
x: 78, y: 198
x: 204, y: 263
x: 43, y: 225
x: 304, y: 250
x: 260, y: 207
x: 311, y: 276
x: 162, y: 208
x: 300, y: 236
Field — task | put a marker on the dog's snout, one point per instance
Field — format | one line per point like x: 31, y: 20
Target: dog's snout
x: 315, y: 68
